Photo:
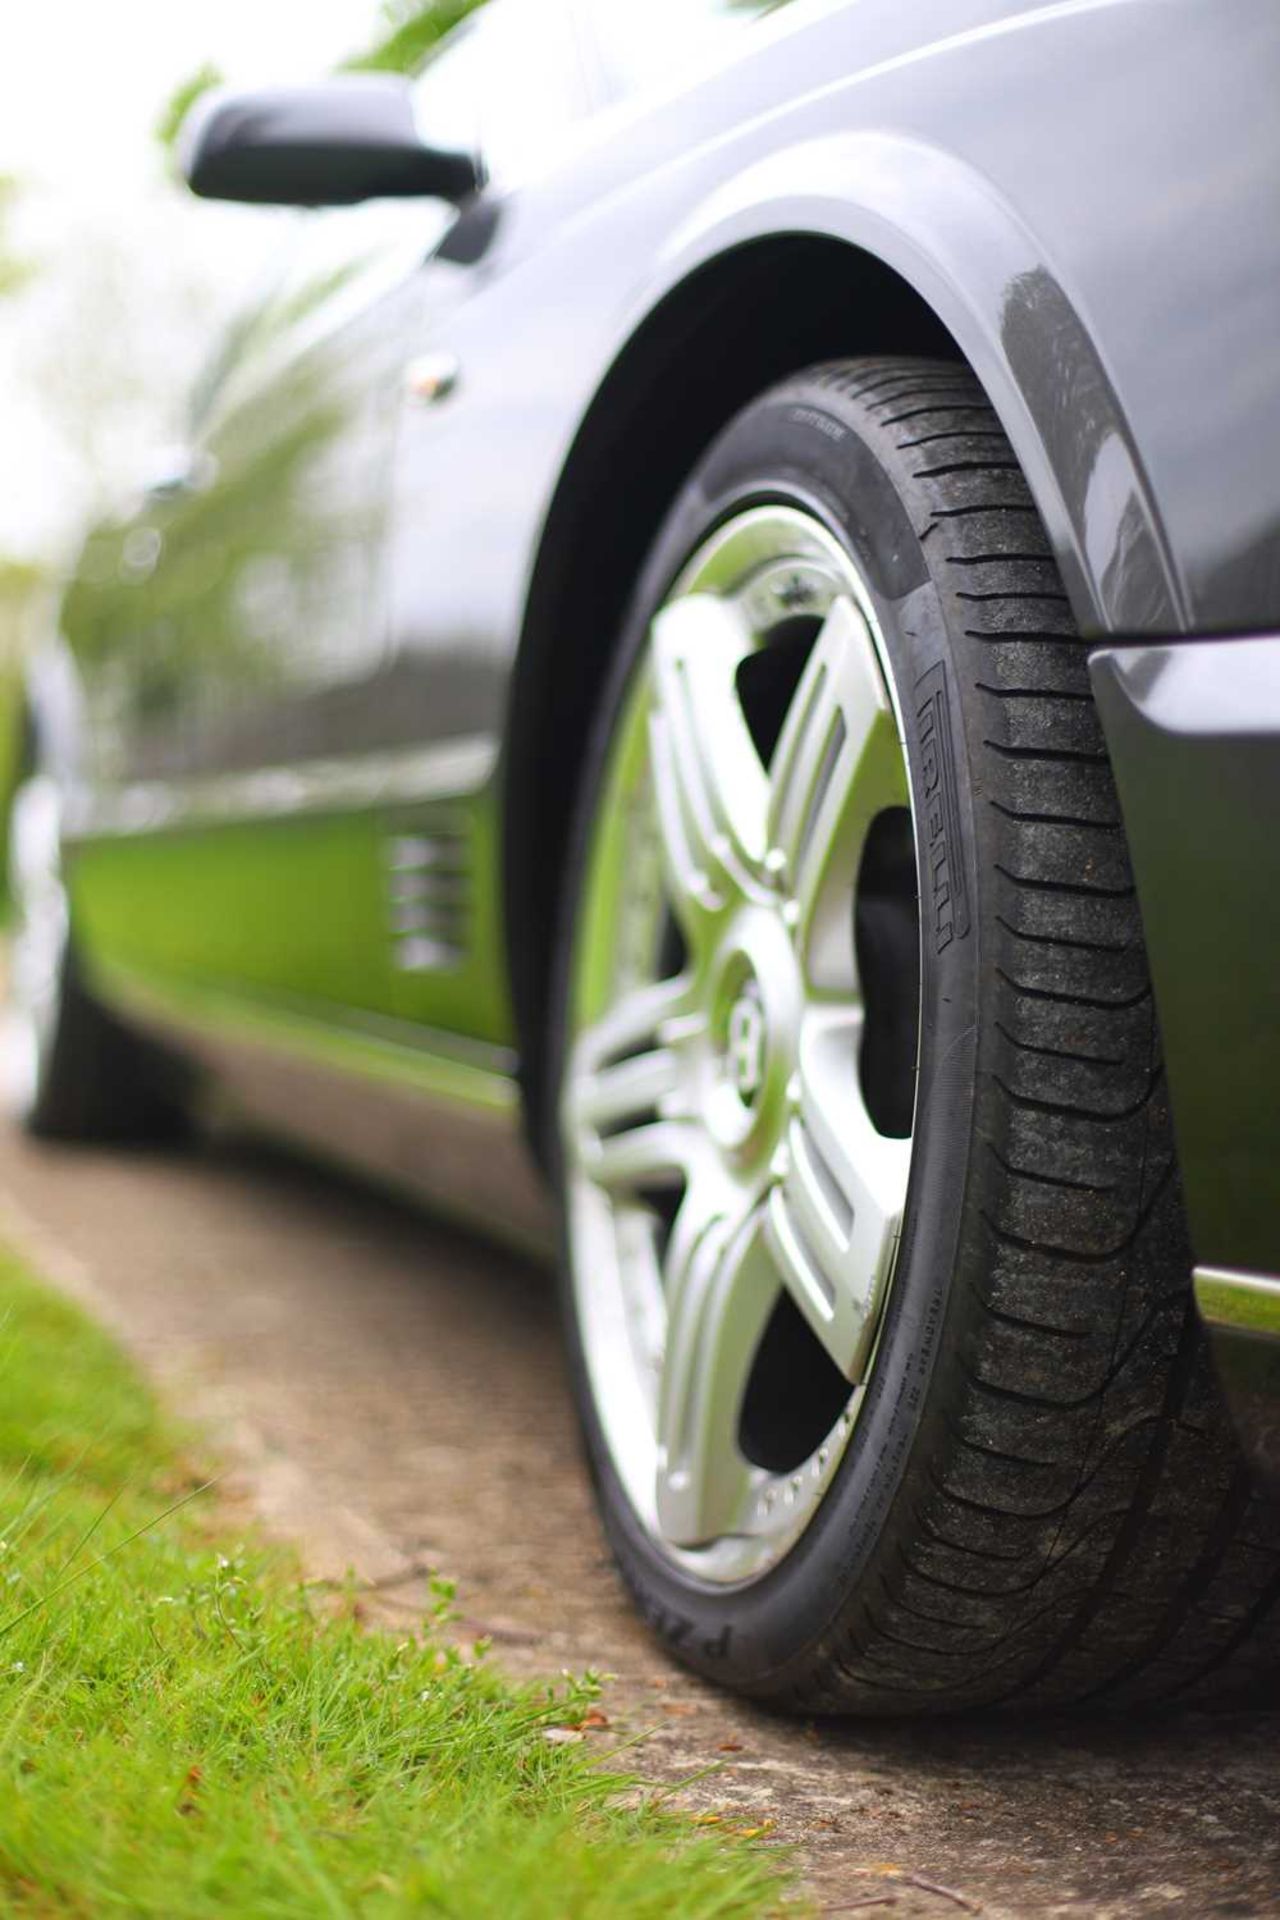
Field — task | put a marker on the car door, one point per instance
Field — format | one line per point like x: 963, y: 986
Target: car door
x: 280, y: 804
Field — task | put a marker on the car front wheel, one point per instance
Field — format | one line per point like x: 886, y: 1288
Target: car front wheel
x: 876, y: 1274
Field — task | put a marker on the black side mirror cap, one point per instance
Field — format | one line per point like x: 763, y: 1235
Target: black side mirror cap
x: 328, y: 144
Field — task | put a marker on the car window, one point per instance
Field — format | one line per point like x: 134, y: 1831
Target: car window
x: 535, y: 92
x: 448, y: 90
x: 329, y: 262
x: 508, y: 85
x: 641, y: 43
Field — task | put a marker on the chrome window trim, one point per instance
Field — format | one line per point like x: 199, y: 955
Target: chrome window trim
x: 455, y: 770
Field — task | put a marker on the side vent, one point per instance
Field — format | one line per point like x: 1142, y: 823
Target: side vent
x: 428, y: 879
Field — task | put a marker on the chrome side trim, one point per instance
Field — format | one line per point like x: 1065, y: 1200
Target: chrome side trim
x: 450, y: 771
x: 1244, y: 1302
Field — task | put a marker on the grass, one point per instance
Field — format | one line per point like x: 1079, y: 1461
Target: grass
x: 187, y: 1729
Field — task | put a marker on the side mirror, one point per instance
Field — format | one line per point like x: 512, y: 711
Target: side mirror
x: 329, y: 144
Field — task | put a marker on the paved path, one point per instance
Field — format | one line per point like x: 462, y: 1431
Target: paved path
x: 394, y: 1398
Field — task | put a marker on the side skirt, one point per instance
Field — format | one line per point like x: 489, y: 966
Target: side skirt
x: 425, y: 1113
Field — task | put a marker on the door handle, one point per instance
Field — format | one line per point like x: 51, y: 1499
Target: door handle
x: 431, y: 377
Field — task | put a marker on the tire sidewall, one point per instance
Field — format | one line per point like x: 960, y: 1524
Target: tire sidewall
x: 799, y: 447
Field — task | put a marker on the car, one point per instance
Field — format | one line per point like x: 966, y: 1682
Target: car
x: 706, y: 693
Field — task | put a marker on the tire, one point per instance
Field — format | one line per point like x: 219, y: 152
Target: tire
x: 74, y: 1071
x: 1038, y: 1500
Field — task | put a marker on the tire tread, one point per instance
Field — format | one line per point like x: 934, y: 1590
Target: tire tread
x: 1087, y: 1512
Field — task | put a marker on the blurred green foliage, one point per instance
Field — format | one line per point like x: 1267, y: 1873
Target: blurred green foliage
x: 21, y: 585
x: 182, y: 99
x: 410, y: 30
x: 14, y: 270
x: 20, y: 581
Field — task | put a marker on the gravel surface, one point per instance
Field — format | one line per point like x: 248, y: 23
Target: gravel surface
x: 392, y: 1397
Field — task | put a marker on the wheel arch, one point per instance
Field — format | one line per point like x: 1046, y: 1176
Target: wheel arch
x: 861, y: 243
x: 682, y: 376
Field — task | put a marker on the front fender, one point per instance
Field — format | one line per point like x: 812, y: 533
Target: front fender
x: 957, y: 242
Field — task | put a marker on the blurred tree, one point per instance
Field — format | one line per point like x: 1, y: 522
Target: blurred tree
x: 409, y: 31
x: 23, y: 586
x: 182, y: 99
x: 123, y: 330
x: 14, y: 270
x: 21, y: 582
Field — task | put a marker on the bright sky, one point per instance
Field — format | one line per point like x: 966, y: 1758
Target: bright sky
x: 134, y: 278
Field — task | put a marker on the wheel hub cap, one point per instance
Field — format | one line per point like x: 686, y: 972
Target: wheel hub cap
x: 747, y: 1041
x: 753, y: 1015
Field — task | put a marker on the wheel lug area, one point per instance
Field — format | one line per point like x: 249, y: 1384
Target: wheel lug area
x: 753, y: 998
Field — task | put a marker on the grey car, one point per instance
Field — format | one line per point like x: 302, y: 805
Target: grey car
x: 705, y: 695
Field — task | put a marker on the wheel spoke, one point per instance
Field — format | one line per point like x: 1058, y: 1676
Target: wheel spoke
x: 834, y: 1220
x: 722, y: 1285
x: 711, y: 789
x: 722, y: 1163
x: 837, y: 765
x: 629, y: 1121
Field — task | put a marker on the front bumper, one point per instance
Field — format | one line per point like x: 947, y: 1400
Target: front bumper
x: 1193, y: 728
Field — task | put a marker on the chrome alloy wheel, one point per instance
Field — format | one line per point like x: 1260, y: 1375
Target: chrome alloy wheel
x: 38, y: 944
x: 735, y: 1194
